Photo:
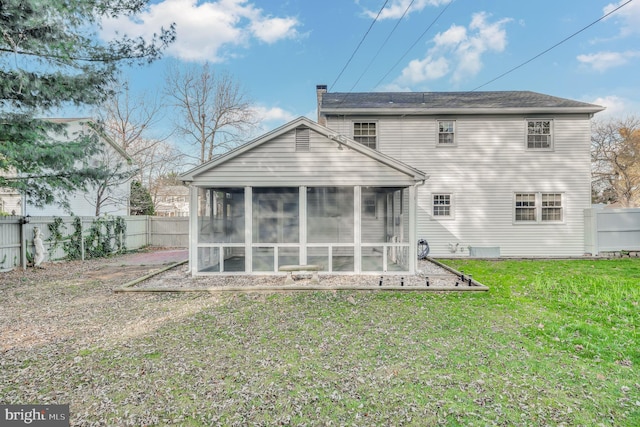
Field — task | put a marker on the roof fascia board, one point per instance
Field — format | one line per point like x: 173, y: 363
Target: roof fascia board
x: 101, y: 134
x: 97, y: 129
x: 459, y: 111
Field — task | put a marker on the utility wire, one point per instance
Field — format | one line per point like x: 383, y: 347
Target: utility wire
x: 359, y: 44
x: 415, y: 43
x: 552, y: 47
x: 382, y: 46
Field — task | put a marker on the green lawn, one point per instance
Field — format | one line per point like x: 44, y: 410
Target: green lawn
x: 552, y: 343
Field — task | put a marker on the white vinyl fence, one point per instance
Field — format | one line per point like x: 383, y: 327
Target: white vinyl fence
x: 16, y: 236
x: 611, y: 230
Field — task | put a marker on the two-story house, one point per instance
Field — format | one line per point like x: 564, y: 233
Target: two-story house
x: 509, y: 172
x: 171, y: 200
x: 472, y: 173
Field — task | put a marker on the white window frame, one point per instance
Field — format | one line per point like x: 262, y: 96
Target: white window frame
x: 550, y: 135
x: 450, y: 205
x: 369, y: 206
x: 374, y: 136
x: 541, y: 207
x: 454, y: 141
x: 557, y: 197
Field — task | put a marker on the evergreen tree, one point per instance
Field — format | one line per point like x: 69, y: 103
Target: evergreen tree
x: 51, y: 58
x: 141, y: 202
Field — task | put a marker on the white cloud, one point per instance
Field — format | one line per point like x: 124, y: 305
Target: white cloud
x: 271, y: 30
x: 628, y: 17
x: 270, y: 118
x: 616, y: 107
x: 602, y: 61
x: 455, y: 35
x: 421, y: 70
x: 458, y: 50
x: 393, y: 87
x: 396, y: 8
x: 273, y: 114
x: 205, y: 30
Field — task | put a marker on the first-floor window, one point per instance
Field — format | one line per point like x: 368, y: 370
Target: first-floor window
x: 552, y: 207
x: 526, y: 207
x: 369, y: 206
x: 539, y: 207
x: 442, y: 205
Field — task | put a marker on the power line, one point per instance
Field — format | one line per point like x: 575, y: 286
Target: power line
x: 382, y: 46
x: 359, y: 44
x: 415, y: 43
x: 552, y: 47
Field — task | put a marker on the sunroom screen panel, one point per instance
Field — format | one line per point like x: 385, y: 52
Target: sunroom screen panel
x: 330, y: 217
x: 221, y: 215
x: 276, y: 215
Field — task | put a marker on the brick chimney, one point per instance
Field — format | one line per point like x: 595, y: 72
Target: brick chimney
x: 320, y: 91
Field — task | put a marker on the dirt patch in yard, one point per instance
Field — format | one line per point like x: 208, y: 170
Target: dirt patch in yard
x: 74, y: 300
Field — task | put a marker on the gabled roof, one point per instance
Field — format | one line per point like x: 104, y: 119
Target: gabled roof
x: 524, y: 102
x: 94, y: 126
x: 303, y: 121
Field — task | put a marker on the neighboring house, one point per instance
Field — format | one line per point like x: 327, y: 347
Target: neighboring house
x: 472, y: 173
x: 115, y: 196
x: 172, y: 200
x: 10, y: 202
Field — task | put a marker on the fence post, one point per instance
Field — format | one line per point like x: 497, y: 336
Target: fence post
x: 81, y: 238
x: 23, y: 242
x: 589, y: 243
x: 595, y: 232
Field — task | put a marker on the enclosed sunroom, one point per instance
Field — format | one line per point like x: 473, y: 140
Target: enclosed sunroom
x: 303, y: 195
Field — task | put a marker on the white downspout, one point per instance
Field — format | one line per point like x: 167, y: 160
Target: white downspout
x: 413, y: 226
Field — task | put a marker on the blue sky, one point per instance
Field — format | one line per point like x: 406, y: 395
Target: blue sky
x: 278, y: 51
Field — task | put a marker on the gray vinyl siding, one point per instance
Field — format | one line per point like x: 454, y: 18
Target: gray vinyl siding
x: 487, y: 166
x: 277, y: 163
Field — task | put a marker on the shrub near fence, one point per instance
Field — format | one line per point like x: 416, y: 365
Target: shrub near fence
x: 100, y: 236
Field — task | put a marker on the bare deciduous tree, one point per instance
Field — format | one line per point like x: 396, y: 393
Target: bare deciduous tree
x: 159, y: 159
x: 127, y: 120
x: 214, y: 112
x: 615, y: 159
x: 108, y: 189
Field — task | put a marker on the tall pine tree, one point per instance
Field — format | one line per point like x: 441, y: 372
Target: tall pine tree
x: 51, y: 58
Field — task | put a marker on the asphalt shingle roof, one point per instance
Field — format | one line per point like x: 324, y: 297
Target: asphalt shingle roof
x: 449, y: 100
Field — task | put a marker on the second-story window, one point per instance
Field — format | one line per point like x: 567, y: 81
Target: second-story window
x: 539, y: 134
x: 446, y: 132
x: 365, y: 133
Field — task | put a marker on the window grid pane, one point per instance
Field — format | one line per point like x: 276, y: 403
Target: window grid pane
x: 446, y: 132
x: 441, y: 205
x: 539, y: 134
x: 365, y: 134
x: 526, y: 207
x: 552, y: 207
